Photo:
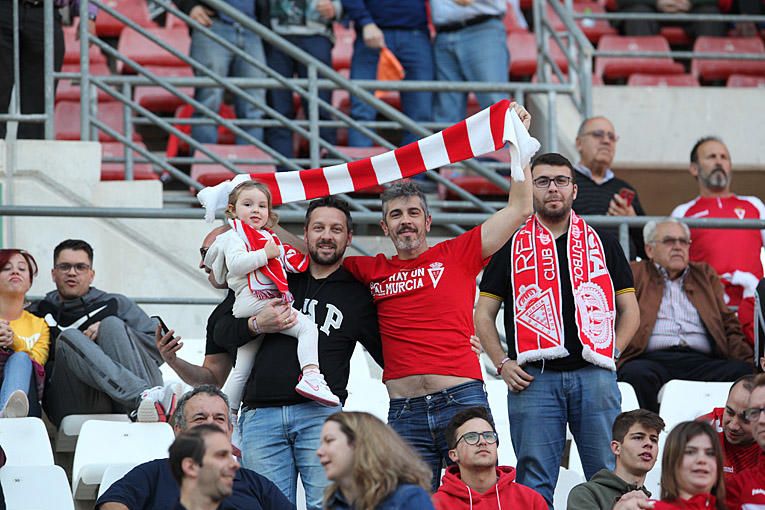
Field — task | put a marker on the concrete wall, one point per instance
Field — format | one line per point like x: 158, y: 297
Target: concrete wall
x: 136, y: 257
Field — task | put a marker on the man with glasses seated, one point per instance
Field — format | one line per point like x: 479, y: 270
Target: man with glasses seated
x: 103, y: 358
x: 569, y: 308
x: 740, y: 451
x: 600, y: 191
x: 746, y: 490
x: 475, y: 480
x: 686, y: 329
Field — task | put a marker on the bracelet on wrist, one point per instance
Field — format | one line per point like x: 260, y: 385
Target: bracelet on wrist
x: 502, y: 364
x: 255, y: 328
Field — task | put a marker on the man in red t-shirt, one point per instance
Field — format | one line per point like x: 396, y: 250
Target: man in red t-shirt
x: 746, y: 490
x: 740, y: 451
x: 739, y: 268
x: 424, y: 296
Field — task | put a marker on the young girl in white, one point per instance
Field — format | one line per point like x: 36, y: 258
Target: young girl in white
x: 252, y: 260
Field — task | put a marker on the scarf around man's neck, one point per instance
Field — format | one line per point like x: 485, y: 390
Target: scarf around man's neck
x: 539, y: 331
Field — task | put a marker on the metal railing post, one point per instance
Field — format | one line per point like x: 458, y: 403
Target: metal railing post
x: 50, y: 93
x: 127, y: 126
x: 84, y: 72
x: 624, y: 238
x: 16, y: 96
x: 313, y: 115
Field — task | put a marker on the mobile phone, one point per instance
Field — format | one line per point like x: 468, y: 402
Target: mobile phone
x: 165, y: 329
x: 628, y: 195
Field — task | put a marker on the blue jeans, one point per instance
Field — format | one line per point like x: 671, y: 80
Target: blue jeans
x: 413, y: 50
x: 422, y: 420
x: 280, y: 442
x: 319, y: 47
x: 225, y: 63
x: 17, y: 375
x: 587, y: 399
x: 474, y: 53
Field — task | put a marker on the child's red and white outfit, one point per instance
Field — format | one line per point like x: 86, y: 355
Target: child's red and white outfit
x: 239, y: 258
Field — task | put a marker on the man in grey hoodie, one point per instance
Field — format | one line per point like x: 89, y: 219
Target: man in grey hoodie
x: 103, y: 357
x: 635, y: 443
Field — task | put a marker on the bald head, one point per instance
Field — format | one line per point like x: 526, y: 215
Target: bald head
x: 206, y: 243
x: 596, y: 144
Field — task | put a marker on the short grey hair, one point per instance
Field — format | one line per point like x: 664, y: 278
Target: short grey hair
x: 403, y: 189
x: 649, y: 230
x: 179, y: 416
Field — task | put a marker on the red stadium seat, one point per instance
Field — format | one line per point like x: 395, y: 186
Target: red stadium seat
x: 739, y: 80
x: 136, y: 10
x: 157, y: 99
x: 662, y: 80
x: 622, y: 67
x: 144, y: 52
x: 512, y: 24
x: 116, y: 171
x: 343, y: 49
x: 176, y: 146
x: 66, y: 91
x: 67, y: 118
x: 523, y: 55
x: 596, y: 80
x: 72, y: 49
x: 355, y: 153
x: 675, y: 36
x: 720, y: 69
x: 475, y: 184
x: 212, y: 174
x: 593, y: 29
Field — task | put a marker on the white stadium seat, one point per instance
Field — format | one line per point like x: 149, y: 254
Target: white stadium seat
x: 687, y: 400
x: 567, y: 480
x: 26, y: 442
x: 365, y: 392
x: 629, y: 398
x: 36, y: 487
x: 66, y: 439
x: 112, y: 473
x: 103, y: 443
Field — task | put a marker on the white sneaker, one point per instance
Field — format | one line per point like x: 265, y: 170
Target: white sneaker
x: 17, y: 405
x: 158, y: 403
x: 312, y: 385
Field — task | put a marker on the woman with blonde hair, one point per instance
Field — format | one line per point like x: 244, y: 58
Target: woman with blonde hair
x: 692, y: 469
x: 370, y: 466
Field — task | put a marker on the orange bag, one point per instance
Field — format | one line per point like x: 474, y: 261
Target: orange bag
x: 388, y: 69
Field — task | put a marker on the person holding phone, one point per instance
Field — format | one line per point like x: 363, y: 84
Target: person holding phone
x: 600, y: 191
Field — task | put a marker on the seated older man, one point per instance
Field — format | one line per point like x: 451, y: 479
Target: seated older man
x: 686, y: 329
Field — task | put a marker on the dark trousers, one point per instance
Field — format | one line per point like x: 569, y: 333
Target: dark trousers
x: 319, y: 47
x: 650, y: 371
x: 31, y: 62
x: 694, y: 29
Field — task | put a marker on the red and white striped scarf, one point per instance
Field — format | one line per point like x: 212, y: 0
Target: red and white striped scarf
x: 539, y: 331
x: 274, y: 270
x: 484, y: 132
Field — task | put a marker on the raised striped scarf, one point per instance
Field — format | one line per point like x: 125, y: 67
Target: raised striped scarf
x: 484, y: 132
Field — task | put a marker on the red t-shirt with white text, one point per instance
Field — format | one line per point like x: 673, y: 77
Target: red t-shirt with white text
x: 425, y: 307
x: 726, y: 250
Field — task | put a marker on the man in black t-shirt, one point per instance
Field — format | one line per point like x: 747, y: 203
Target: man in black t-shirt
x: 566, y: 328
x: 281, y: 429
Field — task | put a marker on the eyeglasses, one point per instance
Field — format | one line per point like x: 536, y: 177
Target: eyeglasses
x: 753, y: 413
x: 600, y: 134
x: 203, y: 252
x: 472, y: 438
x: 561, y: 181
x: 669, y: 242
x: 78, y: 268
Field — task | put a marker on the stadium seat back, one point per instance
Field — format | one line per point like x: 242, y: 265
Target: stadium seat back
x: 623, y: 67
x: 707, y: 69
x: 26, y: 442
x: 70, y: 427
x: 567, y: 480
x: 36, y: 487
x: 676, y: 407
x: 102, y: 443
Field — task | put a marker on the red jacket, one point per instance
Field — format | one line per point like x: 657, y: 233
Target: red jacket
x: 746, y: 490
x: 505, y: 495
x: 698, y: 502
x: 736, y: 458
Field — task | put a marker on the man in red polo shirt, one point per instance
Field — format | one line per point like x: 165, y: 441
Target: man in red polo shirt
x: 746, y: 490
